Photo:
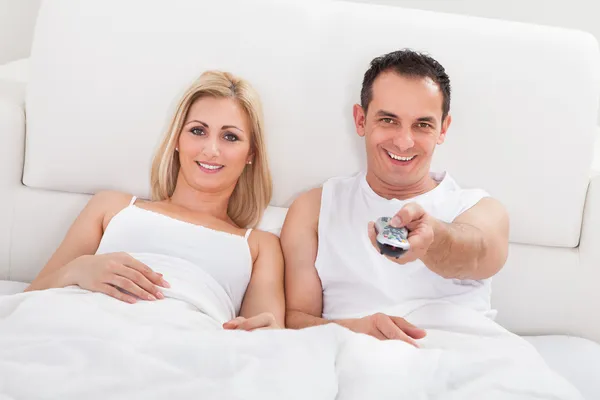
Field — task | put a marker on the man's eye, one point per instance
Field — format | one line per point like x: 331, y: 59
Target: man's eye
x: 197, y: 131
x: 424, y: 125
x: 387, y: 120
x: 231, y: 137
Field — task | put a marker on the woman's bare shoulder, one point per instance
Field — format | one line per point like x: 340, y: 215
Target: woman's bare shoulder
x: 263, y: 242
x: 108, y: 203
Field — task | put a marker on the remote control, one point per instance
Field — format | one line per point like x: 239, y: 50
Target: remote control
x: 391, y: 241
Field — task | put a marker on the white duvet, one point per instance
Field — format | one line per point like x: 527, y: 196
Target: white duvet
x: 73, y: 344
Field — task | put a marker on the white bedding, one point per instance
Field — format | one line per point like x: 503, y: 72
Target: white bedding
x: 73, y: 344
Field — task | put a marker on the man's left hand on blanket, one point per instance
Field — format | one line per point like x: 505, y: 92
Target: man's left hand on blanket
x: 260, y: 321
x: 420, y: 231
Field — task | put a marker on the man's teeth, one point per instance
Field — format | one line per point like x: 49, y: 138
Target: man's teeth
x: 208, y: 166
x: 395, y: 157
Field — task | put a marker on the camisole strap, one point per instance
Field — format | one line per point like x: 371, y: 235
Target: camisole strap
x: 248, y: 233
x: 132, y: 200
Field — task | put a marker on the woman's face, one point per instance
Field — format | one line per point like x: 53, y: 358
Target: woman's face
x: 214, y: 144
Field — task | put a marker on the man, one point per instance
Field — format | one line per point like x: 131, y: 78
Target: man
x: 458, y: 238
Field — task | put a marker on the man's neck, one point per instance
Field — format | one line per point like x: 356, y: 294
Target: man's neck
x: 390, y: 191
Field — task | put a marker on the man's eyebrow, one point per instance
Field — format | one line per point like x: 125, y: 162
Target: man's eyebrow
x: 199, y: 122
x: 429, y: 119
x: 383, y: 113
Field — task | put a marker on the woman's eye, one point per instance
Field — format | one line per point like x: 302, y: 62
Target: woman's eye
x: 231, y: 137
x: 197, y: 131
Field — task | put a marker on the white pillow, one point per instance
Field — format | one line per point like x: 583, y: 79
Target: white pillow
x: 272, y: 220
x: 17, y: 71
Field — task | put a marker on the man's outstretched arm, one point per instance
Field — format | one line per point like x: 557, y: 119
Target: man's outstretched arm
x: 473, y: 246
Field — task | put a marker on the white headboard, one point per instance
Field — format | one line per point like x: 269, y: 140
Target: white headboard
x: 105, y: 77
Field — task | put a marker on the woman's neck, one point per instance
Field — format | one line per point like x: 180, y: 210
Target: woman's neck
x: 214, y: 204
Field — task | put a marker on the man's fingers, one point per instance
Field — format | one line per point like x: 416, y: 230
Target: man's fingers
x: 407, y: 214
x: 388, y: 328
x: 392, y: 332
x: 117, y: 294
x: 408, y: 328
x: 154, y: 277
x: 417, y: 242
x: 420, y: 239
x: 405, y: 338
x: 139, y: 279
x: 378, y: 334
x: 372, y: 234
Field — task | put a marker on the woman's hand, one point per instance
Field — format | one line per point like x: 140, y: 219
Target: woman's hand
x: 261, y: 321
x: 107, y: 273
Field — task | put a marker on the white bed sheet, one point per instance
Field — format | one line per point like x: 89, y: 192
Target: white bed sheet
x: 577, y: 359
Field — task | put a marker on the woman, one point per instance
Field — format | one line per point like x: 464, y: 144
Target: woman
x: 210, y: 180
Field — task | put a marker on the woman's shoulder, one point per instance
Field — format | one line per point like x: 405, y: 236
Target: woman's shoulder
x: 107, y: 203
x: 265, y: 237
x: 109, y: 199
x: 263, y: 242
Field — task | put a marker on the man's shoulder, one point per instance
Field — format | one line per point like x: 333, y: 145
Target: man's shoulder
x: 454, y: 198
x: 303, y: 215
x: 308, y: 202
x: 450, y: 185
x: 309, y: 197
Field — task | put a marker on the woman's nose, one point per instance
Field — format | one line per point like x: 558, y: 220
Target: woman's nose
x: 211, y: 149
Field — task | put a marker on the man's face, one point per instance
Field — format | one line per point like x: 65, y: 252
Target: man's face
x: 402, y: 127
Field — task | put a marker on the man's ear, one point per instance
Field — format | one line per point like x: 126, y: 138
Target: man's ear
x: 359, y: 119
x: 445, y: 126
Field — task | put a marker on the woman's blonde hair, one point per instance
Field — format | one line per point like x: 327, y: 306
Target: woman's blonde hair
x: 253, y: 191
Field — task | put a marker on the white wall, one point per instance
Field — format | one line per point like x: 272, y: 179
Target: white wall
x: 575, y: 14
x: 17, y: 20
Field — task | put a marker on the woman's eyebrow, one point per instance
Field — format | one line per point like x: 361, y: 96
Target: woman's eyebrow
x: 199, y: 122
x: 231, y: 126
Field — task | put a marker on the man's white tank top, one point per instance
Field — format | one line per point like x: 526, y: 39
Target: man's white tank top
x: 357, y: 280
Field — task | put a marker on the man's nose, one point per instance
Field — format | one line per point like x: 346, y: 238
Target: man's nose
x: 403, y: 139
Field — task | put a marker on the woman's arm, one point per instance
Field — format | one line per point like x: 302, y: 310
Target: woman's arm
x: 82, y: 238
x: 74, y: 263
x: 265, y: 293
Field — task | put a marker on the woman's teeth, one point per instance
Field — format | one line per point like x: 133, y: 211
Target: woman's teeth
x: 208, y: 166
x: 395, y: 157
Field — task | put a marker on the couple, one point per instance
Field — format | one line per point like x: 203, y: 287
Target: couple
x: 210, y: 183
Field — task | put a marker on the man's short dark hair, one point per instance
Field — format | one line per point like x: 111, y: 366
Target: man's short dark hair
x: 407, y: 63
